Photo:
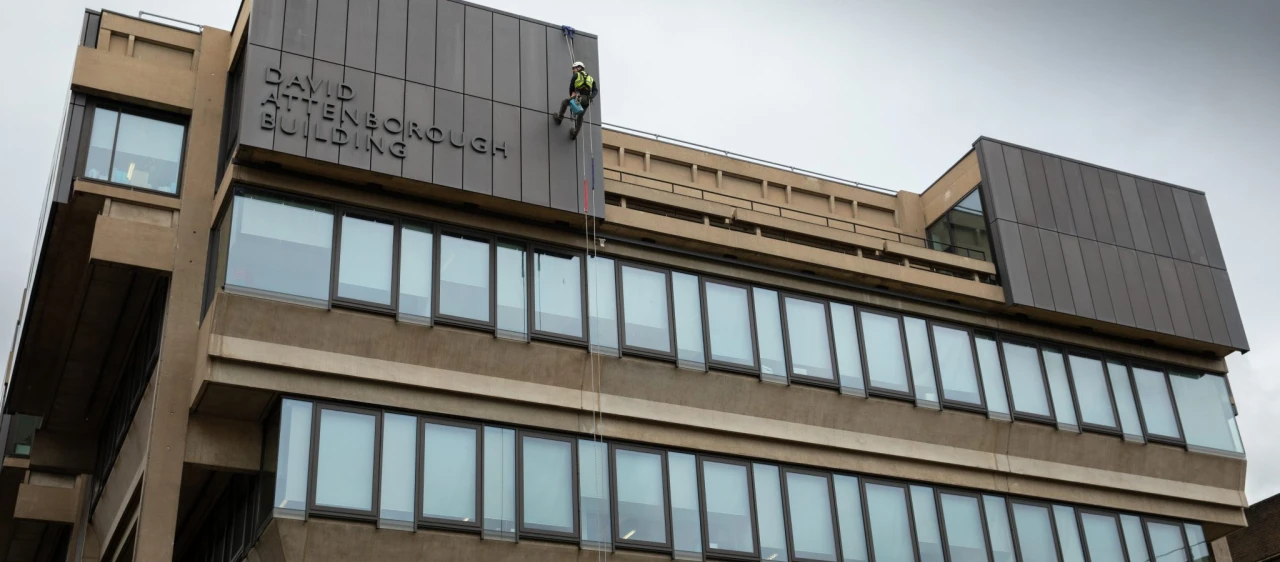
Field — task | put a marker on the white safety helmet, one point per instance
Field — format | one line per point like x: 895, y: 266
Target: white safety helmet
x: 579, y: 63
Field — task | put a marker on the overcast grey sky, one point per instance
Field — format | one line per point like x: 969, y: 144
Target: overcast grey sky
x: 889, y: 93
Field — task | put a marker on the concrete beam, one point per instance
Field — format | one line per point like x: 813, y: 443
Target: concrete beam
x: 54, y: 504
x: 132, y: 242
x: 129, y: 79
x: 63, y: 452
x: 223, y: 444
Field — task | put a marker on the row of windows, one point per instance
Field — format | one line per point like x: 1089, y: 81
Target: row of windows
x: 421, y: 273
x: 407, y: 471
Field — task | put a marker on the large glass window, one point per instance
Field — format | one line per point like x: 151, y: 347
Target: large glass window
x: 853, y: 538
x: 1200, y: 551
x: 925, y: 513
x: 1157, y: 409
x: 1204, y: 405
x: 813, y: 535
x: 280, y: 246
x: 1064, y: 407
x: 1129, y: 420
x: 449, y: 468
x: 1093, y: 392
x: 809, y: 339
x: 998, y: 529
x: 138, y: 151
x: 500, y: 482
x: 364, y: 259
x: 963, y: 229
x: 1026, y: 380
x: 729, y: 325
x: 642, y: 500
x: 844, y: 330
x: 1167, y: 542
x: 891, y: 536
x: 1102, y: 535
x: 769, y: 518
x: 1064, y: 519
x: 512, y: 318
x: 1034, y: 526
x: 773, y: 362
x: 958, y: 370
x: 926, y: 382
x: 962, y: 519
x: 593, y: 485
x: 992, y: 377
x: 344, y: 461
x: 686, y: 522
x: 416, y: 246
x: 726, y: 489
x: 688, y: 309
x: 557, y: 293
x: 464, y: 277
x: 1135, y: 539
x: 646, y: 311
x: 399, y: 471
x: 293, y: 458
x: 547, y: 486
x: 602, y: 301
x: 886, y: 359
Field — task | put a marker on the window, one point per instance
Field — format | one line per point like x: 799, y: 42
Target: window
x: 992, y: 377
x: 954, y: 349
x: 1026, y: 381
x: 640, y: 477
x: 416, y: 246
x: 593, y: 483
x: 499, y: 482
x: 280, y: 246
x: 547, y: 487
x: 512, y: 318
x: 1157, y: 410
x: 810, y: 516
x: 773, y: 361
x: 136, y: 151
x: 769, y: 518
x: 891, y: 536
x: 1036, y: 538
x: 293, y: 459
x: 557, y: 294
x: 885, y: 353
x: 729, y: 326
x: 844, y: 331
x: 646, y: 311
x: 450, y: 466
x: 1199, y: 546
x: 962, y: 520
x: 344, y: 460
x: 998, y: 529
x: 399, y: 471
x: 1204, y: 405
x: 1128, y: 409
x: 602, y: 302
x: 963, y: 229
x: 686, y: 522
x: 1060, y: 390
x: 730, y: 517
x: 365, y: 250
x: 809, y: 340
x: 1093, y: 392
x: 925, y: 513
x: 1102, y: 536
x: 688, y: 312
x: 465, y: 276
x: 1135, y: 539
x: 1068, y: 533
x: 921, y: 354
x: 1167, y: 542
x: 853, y: 538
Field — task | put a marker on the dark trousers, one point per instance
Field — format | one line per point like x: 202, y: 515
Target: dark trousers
x: 585, y: 101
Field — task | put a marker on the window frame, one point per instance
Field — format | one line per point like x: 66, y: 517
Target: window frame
x: 905, y: 486
x: 831, y: 505
x: 1118, y: 430
x: 341, y: 212
x: 948, y: 403
x: 531, y: 250
x: 1084, y: 533
x: 1151, y: 545
x: 938, y: 492
x: 623, y: 347
x: 1014, y: 412
x: 521, y: 530
x: 707, y: 550
x: 1013, y: 524
x: 245, y: 190
x: 423, y: 521
x: 754, y: 369
x: 86, y: 131
x: 467, y: 234
x: 616, y: 531
x: 834, y: 381
x: 872, y: 390
x: 313, y: 475
x: 1181, y: 441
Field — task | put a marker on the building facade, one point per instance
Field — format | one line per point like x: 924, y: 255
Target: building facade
x: 335, y: 285
x: 1260, y: 541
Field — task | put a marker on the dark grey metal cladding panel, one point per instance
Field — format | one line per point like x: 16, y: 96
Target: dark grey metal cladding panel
x: 477, y: 167
x: 478, y: 53
x: 92, y: 24
x: 1097, y: 205
x: 266, y: 23
x: 393, y: 20
x: 1226, y: 297
x: 1208, y: 233
x: 291, y: 117
x: 388, y: 102
x: 362, y: 34
x: 1190, y: 228
x: 1039, y: 188
x: 1058, y: 194
x: 995, y: 182
x: 76, y: 122
x: 506, y: 60
x: 1097, y: 276
x: 1022, y: 202
x: 1137, y: 289
x: 1155, y: 223
x: 319, y: 143
x: 331, y: 31
x: 450, y: 30
x: 559, y: 70
x: 534, y: 154
x: 447, y: 159
x: 299, y: 27
x: 419, y: 112
x: 586, y: 50
x: 1017, y: 280
x: 1156, y: 299
x: 1173, y: 295
x: 533, y: 65
x: 1195, y: 306
x: 597, y: 186
x: 564, y: 167
x: 1038, y: 272
x: 355, y: 153
x: 1172, y: 225
x: 506, y: 163
x: 1076, y: 276
x: 1212, y: 306
x: 1115, y: 208
x: 420, y: 65
x: 1115, y: 284
x: 1133, y: 210
x: 1079, y: 200
x: 1057, y: 266
x: 256, y: 62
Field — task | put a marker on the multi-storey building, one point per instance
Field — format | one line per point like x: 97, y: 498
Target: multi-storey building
x: 334, y: 285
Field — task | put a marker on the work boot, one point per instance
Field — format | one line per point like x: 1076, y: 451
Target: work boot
x: 573, y: 135
x: 559, y: 119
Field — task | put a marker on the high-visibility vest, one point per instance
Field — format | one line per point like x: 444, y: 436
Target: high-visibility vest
x: 582, y: 80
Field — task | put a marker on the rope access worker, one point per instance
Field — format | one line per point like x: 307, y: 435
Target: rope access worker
x: 582, y: 87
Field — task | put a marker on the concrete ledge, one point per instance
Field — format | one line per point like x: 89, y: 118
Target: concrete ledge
x: 131, y: 195
x: 133, y: 243
x: 223, y: 444
x: 46, y: 503
x: 129, y: 79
